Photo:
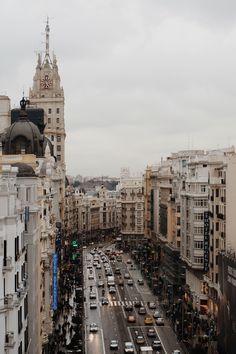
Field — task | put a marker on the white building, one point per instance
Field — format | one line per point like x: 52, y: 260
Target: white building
x: 14, y: 292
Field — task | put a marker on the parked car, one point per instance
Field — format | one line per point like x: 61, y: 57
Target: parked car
x: 127, y: 276
x: 112, y: 290
x: 140, y: 281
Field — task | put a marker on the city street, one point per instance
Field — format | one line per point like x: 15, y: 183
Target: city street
x: 112, y: 319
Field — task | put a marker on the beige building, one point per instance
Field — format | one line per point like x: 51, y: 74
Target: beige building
x: 132, y: 209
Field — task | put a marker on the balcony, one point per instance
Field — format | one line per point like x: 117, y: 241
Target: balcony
x: 9, y: 340
x: 7, y: 264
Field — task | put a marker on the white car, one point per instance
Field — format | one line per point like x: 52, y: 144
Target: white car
x: 176, y: 351
x: 92, y: 295
x: 130, y: 282
x: 93, y: 327
x: 93, y: 305
x: 90, y: 277
x: 114, y: 344
x: 160, y: 321
x: 112, y: 290
x: 129, y: 348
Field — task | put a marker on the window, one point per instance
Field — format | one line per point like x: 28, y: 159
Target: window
x: 49, y: 120
x: 20, y: 348
x: 203, y: 188
x: 26, y: 306
x: 58, y: 147
x: 49, y: 110
x: 52, y: 137
x: 58, y: 138
x: 198, y: 216
x: 20, y: 320
x: 28, y: 194
x: 58, y: 110
x: 58, y: 120
x: 16, y: 281
x: 198, y: 230
x: 217, y: 193
x: 58, y: 157
x: 198, y: 260
x: 200, y: 203
x: 198, y: 244
x: 17, y: 248
x: 217, y: 226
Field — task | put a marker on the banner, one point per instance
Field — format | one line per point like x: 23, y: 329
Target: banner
x: 54, y: 281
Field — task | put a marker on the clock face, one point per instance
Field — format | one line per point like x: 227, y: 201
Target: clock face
x: 46, y: 82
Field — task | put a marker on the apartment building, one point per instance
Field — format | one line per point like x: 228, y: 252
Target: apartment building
x: 14, y: 282
x: 132, y: 209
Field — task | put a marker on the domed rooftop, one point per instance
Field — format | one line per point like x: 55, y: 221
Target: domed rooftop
x: 24, y: 170
x: 23, y: 136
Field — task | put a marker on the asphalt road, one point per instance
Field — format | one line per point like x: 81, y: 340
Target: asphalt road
x: 111, y: 319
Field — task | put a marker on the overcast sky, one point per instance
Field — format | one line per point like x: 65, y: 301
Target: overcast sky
x: 142, y: 78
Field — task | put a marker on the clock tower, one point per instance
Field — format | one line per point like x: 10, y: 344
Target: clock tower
x: 47, y: 93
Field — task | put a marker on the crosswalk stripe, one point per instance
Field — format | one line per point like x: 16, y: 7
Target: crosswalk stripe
x: 141, y: 303
x: 114, y: 303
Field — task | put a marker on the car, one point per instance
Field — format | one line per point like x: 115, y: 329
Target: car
x: 142, y: 311
x: 92, y: 295
x: 130, y: 282
x: 112, y: 290
x: 129, y: 348
x: 140, y: 340
x: 117, y: 271
x: 128, y: 308
x: 176, y: 351
x: 151, y: 332
x: 157, y: 314
x: 121, y: 282
x: 152, y: 305
x: 131, y: 319
x: 98, y: 266
x: 89, y: 266
x: 148, y: 320
x: 104, y: 301
x: 119, y: 259
x: 95, y: 264
x: 129, y: 261
x: 140, y: 281
x: 93, y: 327
x: 114, y: 344
x: 93, y: 305
x: 160, y: 321
x: 90, y: 277
x: 100, y: 284
x: 137, y: 304
x: 132, y: 267
x: 156, y: 345
x: 126, y: 276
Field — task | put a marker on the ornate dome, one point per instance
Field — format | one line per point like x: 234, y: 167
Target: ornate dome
x: 24, y: 170
x: 23, y: 136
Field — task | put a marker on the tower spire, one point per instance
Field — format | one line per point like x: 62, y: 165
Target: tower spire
x: 47, y: 31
